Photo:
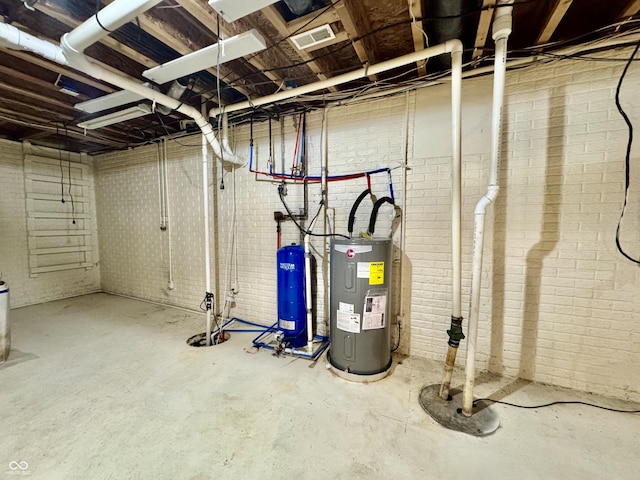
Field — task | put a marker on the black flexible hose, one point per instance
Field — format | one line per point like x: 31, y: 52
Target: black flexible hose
x: 374, y: 213
x: 356, y: 204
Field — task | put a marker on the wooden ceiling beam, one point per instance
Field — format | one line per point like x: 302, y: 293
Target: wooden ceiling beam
x: 57, y: 68
x: 312, y: 20
x: 23, y: 77
x: 34, y: 122
x: 276, y: 20
x: 632, y: 8
x: 200, y: 10
x: 484, y: 25
x: 178, y: 41
x: 42, y: 99
x: 555, y: 17
x: 417, y: 32
x: 60, y: 14
x: 356, y: 23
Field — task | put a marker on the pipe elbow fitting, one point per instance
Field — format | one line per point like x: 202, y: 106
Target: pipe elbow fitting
x: 454, y: 46
x: 502, y: 24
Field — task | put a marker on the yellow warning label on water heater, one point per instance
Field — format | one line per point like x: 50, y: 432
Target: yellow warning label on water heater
x: 376, y: 273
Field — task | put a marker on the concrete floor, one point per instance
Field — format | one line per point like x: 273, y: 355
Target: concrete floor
x: 102, y: 387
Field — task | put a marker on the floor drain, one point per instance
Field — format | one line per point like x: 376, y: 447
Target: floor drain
x: 200, y: 339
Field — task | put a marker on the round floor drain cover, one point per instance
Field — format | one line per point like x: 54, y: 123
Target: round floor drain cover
x: 200, y: 339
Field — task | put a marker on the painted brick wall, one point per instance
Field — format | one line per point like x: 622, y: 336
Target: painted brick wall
x: 558, y: 303
x: 14, y: 253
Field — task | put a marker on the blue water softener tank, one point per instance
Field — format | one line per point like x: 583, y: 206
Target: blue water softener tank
x: 292, y: 313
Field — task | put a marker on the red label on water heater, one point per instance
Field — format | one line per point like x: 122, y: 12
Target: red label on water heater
x: 351, y: 253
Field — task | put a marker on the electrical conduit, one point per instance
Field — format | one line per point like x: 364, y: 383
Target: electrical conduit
x: 501, y: 32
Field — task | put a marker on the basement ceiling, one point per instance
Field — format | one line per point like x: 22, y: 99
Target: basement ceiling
x: 35, y: 100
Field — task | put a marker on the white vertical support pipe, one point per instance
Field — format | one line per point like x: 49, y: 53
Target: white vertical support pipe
x: 307, y: 289
x: 501, y: 32
x: 456, y: 189
x: 456, y: 213
x: 207, y: 241
x: 168, y: 210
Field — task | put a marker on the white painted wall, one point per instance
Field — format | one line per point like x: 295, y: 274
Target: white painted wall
x: 559, y: 304
x: 14, y: 252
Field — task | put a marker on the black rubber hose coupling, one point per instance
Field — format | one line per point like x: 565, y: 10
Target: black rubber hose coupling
x: 455, y: 332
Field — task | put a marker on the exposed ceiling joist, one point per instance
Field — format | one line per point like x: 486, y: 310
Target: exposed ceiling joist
x: 350, y: 23
x: 417, y: 32
x: 276, y: 20
x: 631, y: 9
x: 178, y: 41
x: 202, y: 11
x: 313, y: 20
x: 484, y: 25
x: 57, y: 12
x: 556, y: 16
x: 35, y: 122
x: 57, y: 68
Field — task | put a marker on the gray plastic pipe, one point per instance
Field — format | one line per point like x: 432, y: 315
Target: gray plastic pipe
x: 501, y: 32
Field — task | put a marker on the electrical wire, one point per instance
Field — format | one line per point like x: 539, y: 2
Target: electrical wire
x: 303, y: 26
x: 61, y: 170
x: 73, y: 205
x: 550, y: 404
x: 627, y: 155
x: 303, y: 230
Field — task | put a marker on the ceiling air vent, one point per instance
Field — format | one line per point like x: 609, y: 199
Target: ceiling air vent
x: 313, y: 37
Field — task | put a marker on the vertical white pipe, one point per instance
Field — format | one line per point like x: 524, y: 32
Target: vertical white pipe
x: 168, y: 210
x: 160, y: 187
x: 456, y: 193
x: 456, y: 212
x: 403, y: 230
x: 307, y: 288
x: 501, y: 31
x: 207, y: 241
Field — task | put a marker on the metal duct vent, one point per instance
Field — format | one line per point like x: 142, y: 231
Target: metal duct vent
x: 313, y: 37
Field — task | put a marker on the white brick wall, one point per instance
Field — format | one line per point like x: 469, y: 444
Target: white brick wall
x: 14, y: 254
x: 558, y: 303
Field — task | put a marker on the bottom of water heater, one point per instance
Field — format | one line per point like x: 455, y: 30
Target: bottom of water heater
x: 357, y: 377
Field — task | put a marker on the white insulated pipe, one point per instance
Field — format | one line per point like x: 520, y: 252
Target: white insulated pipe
x: 449, y: 46
x: 168, y: 211
x: 108, y: 19
x: 307, y: 290
x: 11, y: 37
x: 207, y: 241
x: 501, y: 32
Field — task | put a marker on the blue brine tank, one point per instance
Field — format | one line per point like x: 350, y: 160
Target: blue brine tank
x: 292, y: 313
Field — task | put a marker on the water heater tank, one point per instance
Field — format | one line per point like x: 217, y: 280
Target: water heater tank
x: 360, y: 296
x: 292, y: 313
